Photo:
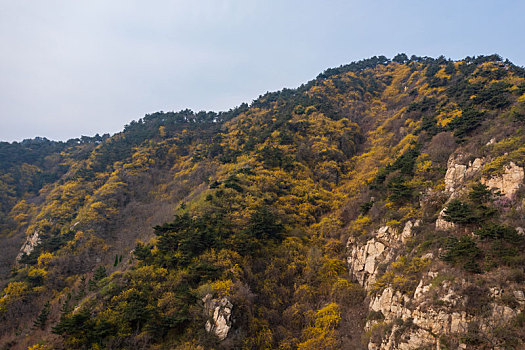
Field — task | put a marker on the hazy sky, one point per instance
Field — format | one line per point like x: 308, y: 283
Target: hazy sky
x: 72, y: 68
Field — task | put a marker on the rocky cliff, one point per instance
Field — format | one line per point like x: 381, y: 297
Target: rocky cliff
x: 446, y: 309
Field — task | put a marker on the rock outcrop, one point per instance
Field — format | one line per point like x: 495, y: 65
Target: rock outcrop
x: 29, y: 245
x: 433, y: 311
x: 436, y: 310
x: 365, y: 260
x: 507, y: 183
x: 219, y: 313
x: 458, y: 171
x: 442, y: 224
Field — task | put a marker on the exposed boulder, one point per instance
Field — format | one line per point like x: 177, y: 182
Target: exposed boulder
x: 219, y: 313
x: 29, y: 245
x: 364, y: 260
x: 509, y: 182
x: 442, y: 224
x: 437, y: 308
x: 458, y: 172
x: 406, y: 234
x: 419, y: 320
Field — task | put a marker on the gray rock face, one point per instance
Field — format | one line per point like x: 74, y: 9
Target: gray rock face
x: 429, y: 321
x: 219, y: 313
x: 509, y: 182
x: 364, y: 260
x: 442, y: 224
x: 458, y: 171
x: 433, y: 310
x: 29, y: 245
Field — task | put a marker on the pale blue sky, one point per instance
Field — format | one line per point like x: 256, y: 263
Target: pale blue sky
x: 71, y: 68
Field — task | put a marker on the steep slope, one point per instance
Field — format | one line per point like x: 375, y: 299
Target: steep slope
x: 378, y: 206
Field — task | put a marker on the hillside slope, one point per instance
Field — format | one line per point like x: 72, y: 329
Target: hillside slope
x: 378, y: 206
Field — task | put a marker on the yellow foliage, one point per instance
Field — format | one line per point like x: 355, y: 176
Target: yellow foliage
x: 20, y: 212
x: 162, y: 131
x: 446, y: 117
x: 146, y: 275
x: 359, y: 225
x: 39, y: 347
x: 328, y: 317
x: 321, y: 334
x: 403, y: 274
x: 423, y: 164
x: 14, y: 291
x: 223, y: 288
x: 260, y: 335
x: 37, y: 272
x: 331, y: 269
x: 44, y: 259
x: 190, y: 345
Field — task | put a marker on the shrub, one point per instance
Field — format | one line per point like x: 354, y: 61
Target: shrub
x: 460, y: 213
x: 375, y: 316
x: 463, y: 251
x: 365, y: 207
x: 495, y: 231
x: 321, y: 334
x: 403, y: 276
x: 466, y: 123
x: 398, y: 191
x: 478, y: 300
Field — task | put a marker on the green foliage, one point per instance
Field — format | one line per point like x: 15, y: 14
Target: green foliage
x: 426, y: 104
x: 405, y: 164
x: 179, y: 241
x: 142, y: 251
x: 274, y: 157
x: 365, y: 207
x: 266, y: 193
x: 41, y: 319
x: 81, y: 330
x: 264, y: 224
x: 480, y: 194
x: 478, y: 210
x: 496, y: 96
x: 99, y: 273
x: 464, y: 252
x: 398, y: 191
x: 461, y: 213
x: 505, y: 245
x: 450, y: 68
x: 469, y: 121
x: 495, y: 231
x: 400, y: 58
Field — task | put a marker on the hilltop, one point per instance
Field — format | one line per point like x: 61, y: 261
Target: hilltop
x: 378, y: 206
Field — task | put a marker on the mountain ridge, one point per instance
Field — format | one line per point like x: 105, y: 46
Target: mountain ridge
x: 304, y: 214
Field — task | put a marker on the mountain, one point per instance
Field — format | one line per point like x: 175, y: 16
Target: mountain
x: 378, y: 206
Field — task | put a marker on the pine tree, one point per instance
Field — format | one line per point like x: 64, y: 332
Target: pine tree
x: 99, y: 273
x: 41, y: 319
